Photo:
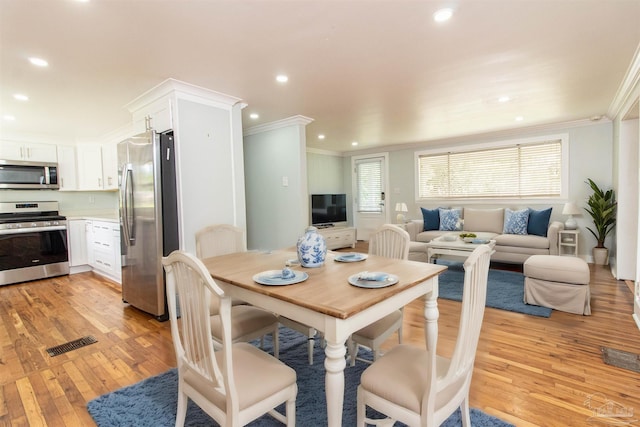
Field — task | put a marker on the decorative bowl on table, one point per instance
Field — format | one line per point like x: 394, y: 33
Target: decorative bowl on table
x: 468, y: 237
x: 449, y: 237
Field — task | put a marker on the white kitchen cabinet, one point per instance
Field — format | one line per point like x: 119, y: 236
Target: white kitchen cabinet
x: 157, y: 116
x: 88, y: 226
x: 110, y: 166
x: 104, y: 246
x: 28, y: 151
x: 77, y: 235
x: 97, y: 167
x: 89, y: 167
x: 67, y: 168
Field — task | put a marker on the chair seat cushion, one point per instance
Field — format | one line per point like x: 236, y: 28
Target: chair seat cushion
x: 258, y: 375
x: 379, y: 327
x: 400, y: 376
x: 244, y: 319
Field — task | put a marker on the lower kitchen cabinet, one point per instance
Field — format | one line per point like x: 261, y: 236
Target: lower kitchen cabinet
x: 105, y: 245
x: 77, y: 232
x: 95, y: 245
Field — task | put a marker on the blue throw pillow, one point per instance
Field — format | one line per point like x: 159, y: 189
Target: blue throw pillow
x: 449, y: 219
x: 431, y: 219
x: 539, y: 222
x: 515, y: 222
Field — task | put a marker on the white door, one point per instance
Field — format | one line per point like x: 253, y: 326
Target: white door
x: 369, y: 187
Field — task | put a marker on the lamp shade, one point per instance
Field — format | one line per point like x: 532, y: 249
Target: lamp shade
x: 570, y: 208
x: 401, y: 207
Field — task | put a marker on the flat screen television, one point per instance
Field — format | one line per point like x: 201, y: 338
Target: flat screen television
x: 328, y: 208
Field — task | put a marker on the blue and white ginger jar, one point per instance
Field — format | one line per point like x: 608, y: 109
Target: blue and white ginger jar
x: 312, y: 248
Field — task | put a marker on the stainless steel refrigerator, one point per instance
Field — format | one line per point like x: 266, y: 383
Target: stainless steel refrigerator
x: 148, y: 218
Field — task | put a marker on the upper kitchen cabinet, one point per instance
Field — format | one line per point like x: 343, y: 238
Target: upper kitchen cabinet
x: 67, y: 170
x: 157, y: 115
x: 207, y: 130
x: 97, y: 167
x: 90, y: 167
x: 110, y: 166
x: 28, y: 152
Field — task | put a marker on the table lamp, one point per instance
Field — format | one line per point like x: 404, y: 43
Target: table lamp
x: 570, y: 209
x: 401, y: 208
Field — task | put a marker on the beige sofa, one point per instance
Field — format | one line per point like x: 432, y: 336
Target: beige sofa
x: 510, y: 248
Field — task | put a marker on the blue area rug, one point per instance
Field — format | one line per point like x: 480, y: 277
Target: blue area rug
x: 152, y: 402
x: 505, y: 289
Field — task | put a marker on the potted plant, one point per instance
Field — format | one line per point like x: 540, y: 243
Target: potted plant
x: 602, y: 208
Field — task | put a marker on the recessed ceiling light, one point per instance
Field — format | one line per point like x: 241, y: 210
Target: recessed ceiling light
x: 321, y: 136
x: 443, y: 15
x: 9, y: 117
x: 519, y: 119
x: 21, y: 97
x: 38, y: 62
x: 282, y: 78
x: 504, y: 99
x: 354, y: 143
x: 254, y: 116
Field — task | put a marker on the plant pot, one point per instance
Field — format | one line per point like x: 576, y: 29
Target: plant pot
x: 600, y: 256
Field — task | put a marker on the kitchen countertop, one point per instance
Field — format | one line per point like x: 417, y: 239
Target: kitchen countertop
x: 93, y: 218
x: 106, y: 215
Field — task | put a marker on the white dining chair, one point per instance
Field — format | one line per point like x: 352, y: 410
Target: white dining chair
x: 249, y: 322
x: 222, y: 383
x: 413, y: 385
x: 388, y: 241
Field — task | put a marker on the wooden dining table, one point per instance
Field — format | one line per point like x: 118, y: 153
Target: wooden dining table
x: 328, y: 302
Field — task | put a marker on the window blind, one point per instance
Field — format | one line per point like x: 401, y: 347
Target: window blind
x: 531, y: 170
x: 369, y: 176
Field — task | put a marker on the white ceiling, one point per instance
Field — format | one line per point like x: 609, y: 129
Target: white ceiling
x: 376, y: 72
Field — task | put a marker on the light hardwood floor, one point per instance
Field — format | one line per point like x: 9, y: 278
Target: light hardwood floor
x: 529, y: 371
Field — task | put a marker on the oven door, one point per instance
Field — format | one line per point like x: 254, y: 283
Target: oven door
x: 29, y: 254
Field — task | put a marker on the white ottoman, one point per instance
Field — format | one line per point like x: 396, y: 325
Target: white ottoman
x: 557, y: 282
x: 418, y: 251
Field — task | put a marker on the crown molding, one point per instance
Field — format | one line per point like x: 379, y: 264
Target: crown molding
x: 278, y: 124
x: 625, y: 91
x: 170, y: 86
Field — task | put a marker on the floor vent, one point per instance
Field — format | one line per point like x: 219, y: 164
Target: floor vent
x: 621, y: 359
x: 71, y: 345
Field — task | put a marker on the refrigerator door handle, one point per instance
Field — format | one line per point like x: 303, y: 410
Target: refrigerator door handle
x: 128, y: 224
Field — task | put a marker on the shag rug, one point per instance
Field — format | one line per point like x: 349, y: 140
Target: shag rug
x: 505, y: 289
x: 152, y: 402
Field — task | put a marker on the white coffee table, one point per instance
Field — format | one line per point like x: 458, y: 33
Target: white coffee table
x: 442, y: 246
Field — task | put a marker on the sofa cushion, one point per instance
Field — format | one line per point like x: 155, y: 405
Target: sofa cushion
x: 539, y: 222
x: 491, y: 220
x: 515, y: 222
x: 522, y: 241
x: 430, y: 219
x: 427, y: 236
x: 449, y: 219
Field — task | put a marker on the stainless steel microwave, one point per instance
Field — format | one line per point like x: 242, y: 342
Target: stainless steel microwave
x: 19, y: 175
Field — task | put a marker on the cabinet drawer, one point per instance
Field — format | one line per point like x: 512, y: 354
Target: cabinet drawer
x: 105, y: 260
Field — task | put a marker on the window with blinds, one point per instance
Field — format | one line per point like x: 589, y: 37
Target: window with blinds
x: 369, y: 176
x: 511, y: 171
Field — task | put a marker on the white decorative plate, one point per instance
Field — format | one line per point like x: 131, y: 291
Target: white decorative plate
x: 274, y: 278
x: 350, y: 257
x: 382, y: 280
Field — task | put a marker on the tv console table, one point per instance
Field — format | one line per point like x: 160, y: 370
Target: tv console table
x: 339, y: 237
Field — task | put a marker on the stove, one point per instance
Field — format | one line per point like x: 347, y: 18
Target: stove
x: 33, y: 241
